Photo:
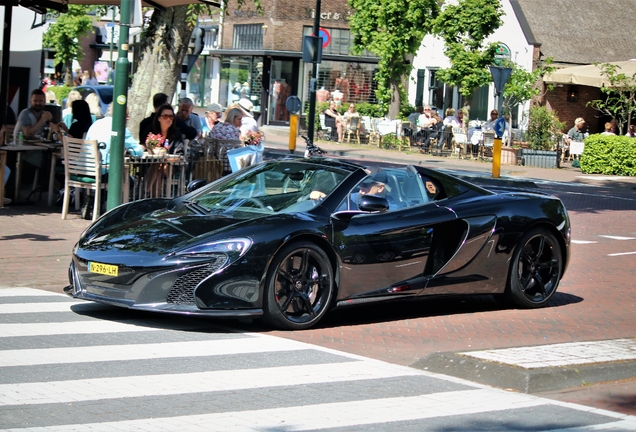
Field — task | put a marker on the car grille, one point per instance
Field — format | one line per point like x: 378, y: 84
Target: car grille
x: 182, y: 291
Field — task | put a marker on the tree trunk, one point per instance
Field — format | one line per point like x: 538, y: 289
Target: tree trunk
x: 394, y: 103
x: 159, y: 66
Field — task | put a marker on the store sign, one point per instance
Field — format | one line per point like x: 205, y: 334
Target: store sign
x: 327, y: 16
x: 503, y: 53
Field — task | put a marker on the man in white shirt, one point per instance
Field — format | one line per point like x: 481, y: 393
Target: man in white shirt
x: 426, y: 120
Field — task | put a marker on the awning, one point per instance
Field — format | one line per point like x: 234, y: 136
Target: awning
x: 589, y: 75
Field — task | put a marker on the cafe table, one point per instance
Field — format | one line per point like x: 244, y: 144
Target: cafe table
x: 19, y: 151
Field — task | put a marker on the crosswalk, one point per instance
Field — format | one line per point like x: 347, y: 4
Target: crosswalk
x: 77, y: 366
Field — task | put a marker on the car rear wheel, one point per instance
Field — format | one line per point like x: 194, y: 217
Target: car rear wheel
x: 300, y: 286
x: 537, y: 266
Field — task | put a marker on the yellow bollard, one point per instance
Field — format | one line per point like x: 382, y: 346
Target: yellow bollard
x: 496, y: 158
x: 293, y: 131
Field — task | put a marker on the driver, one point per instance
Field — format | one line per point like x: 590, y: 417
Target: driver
x: 375, y: 184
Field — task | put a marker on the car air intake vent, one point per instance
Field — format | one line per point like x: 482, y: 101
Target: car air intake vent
x: 182, y: 291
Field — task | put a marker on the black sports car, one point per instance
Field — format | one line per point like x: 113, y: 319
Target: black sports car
x: 290, y: 239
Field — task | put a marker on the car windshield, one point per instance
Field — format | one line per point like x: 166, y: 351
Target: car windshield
x: 106, y: 94
x: 270, y: 188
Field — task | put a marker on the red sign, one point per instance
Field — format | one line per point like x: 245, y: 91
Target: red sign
x: 326, y: 37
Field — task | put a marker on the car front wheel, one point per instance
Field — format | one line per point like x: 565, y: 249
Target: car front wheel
x: 537, y: 266
x: 300, y: 287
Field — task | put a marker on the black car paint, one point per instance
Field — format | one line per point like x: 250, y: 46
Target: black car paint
x: 459, y: 244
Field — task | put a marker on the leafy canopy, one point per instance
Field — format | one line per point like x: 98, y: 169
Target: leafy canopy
x: 464, y: 27
x: 620, y: 95
x: 393, y: 30
x: 65, y: 33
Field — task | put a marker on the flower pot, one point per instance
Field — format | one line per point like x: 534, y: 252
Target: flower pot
x: 539, y: 158
x: 508, y: 156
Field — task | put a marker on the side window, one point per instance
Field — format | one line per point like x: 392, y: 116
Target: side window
x: 433, y: 190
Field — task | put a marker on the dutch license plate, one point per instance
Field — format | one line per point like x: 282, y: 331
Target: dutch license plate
x: 105, y: 269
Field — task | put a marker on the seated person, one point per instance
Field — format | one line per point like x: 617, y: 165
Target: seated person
x: 374, y: 184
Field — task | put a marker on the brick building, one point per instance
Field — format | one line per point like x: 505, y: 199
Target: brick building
x: 578, y: 32
x: 260, y: 56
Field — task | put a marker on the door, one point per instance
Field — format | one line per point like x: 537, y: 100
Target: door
x: 283, y: 83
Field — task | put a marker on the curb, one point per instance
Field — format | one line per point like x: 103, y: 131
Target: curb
x: 521, y: 379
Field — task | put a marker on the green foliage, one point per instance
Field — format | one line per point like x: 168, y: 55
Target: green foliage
x: 393, y: 30
x: 406, y: 110
x: 371, y: 110
x: 609, y: 155
x: 61, y: 92
x: 544, y: 128
x: 522, y: 85
x: 65, y: 33
x: 464, y: 27
x: 620, y: 95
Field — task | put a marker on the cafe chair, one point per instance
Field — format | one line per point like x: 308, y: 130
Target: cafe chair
x: 353, y: 127
x: 8, y: 134
x: 82, y: 170
x: 407, y: 135
x: 488, y: 144
x: 325, y: 131
x: 459, y: 142
x: 374, y: 134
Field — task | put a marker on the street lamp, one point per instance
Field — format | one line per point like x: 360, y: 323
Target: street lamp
x: 500, y: 76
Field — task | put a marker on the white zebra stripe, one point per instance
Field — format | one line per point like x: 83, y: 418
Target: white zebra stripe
x: 187, y: 383
x: 38, y: 307
x: 31, y: 292
x: 31, y: 357
x: 71, y: 327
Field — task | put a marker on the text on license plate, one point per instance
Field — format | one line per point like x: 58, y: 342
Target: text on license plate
x: 105, y: 269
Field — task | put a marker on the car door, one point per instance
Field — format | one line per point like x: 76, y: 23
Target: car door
x: 386, y: 253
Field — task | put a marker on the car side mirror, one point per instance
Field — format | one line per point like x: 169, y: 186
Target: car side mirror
x: 373, y: 203
x: 196, y: 184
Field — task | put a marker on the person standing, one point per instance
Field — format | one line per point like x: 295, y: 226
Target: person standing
x: 186, y: 115
x: 576, y: 133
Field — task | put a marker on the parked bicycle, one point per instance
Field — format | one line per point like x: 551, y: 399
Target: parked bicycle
x: 312, y: 149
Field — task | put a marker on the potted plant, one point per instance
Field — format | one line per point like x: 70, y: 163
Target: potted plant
x: 544, y: 130
x: 154, y: 145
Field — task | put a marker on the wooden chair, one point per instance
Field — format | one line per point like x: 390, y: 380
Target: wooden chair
x: 8, y: 134
x: 82, y: 170
x: 488, y: 144
x: 325, y: 131
x: 353, y: 127
x: 374, y: 134
x: 406, y: 135
x: 459, y: 142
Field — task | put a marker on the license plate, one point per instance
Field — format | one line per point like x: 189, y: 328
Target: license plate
x: 105, y: 269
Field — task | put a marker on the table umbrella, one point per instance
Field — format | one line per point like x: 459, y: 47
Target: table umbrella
x: 589, y: 75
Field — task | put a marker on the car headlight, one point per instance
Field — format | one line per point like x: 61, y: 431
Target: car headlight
x: 232, y: 248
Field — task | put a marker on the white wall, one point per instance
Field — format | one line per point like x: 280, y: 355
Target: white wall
x: 26, y: 46
x: 431, y: 53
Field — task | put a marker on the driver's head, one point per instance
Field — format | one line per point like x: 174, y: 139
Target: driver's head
x: 375, y: 185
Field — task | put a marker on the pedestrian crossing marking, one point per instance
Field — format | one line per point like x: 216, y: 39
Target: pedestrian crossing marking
x: 612, y: 237
x: 346, y: 392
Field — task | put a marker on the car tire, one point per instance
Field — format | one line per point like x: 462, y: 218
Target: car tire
x: 537, y: 266
x: 299, y: 288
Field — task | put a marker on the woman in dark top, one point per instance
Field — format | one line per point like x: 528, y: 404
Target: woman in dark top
x: 82, y: 120
x: 164, y: 124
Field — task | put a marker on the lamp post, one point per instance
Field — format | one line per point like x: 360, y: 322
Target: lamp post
x: 500, y: 76
x: 314, y: 75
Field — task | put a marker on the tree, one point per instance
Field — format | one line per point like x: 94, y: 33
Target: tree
x: 523, y: 85
x: 464, y: 28
x: 164, y: 48
x: 620, y: 95
x: 393, y: 30
x: 64, y: 36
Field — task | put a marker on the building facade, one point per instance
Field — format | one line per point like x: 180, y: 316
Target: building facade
x: 259, y: 56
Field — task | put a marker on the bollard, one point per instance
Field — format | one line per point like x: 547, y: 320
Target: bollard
x: 496, y: 158
x: 293, y: 131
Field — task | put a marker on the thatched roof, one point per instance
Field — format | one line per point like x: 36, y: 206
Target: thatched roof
x: 580, y: 31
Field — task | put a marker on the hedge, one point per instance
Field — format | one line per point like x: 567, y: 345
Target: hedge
x: 609, y: 155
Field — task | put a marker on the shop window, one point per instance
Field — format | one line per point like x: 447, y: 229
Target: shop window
x: 341, y: 41
x: 248, y: 36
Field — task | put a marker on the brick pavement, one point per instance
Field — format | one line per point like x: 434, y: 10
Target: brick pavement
x: 35, y: 247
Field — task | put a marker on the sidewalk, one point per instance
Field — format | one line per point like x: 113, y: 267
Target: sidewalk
x: 35, y: 248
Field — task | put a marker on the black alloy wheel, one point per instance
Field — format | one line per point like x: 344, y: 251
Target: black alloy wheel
x: 537, y: 266
x: 300, y: 287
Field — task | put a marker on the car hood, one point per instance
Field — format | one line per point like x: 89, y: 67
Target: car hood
x: 154, y: 234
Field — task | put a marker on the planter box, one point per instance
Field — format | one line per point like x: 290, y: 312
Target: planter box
x: 539, y: 158
x: 509, y: 156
